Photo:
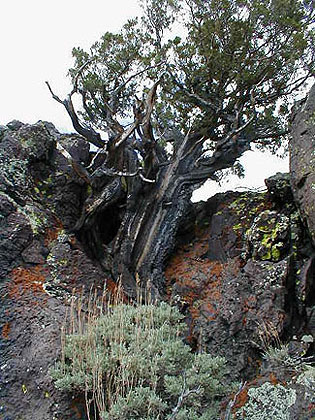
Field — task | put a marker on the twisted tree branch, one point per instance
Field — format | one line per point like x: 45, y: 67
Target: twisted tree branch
x: 90, y: 134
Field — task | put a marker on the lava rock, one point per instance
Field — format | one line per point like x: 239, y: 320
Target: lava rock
x: 279, y: 188
x: 302, y: 161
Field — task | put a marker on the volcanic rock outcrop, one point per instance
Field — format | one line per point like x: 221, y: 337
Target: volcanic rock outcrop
x: 302, y: 160
x: 242, y: 273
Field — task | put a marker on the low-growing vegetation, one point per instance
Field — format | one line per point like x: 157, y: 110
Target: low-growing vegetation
x: 131, y: 363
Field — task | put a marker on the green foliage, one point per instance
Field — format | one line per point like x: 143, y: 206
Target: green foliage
x: 224, y: 63
x: 132, y: 363
x: 278, y: 356
x: 268, y: 402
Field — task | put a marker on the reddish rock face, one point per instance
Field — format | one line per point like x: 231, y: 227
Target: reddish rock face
x: 302, y: 160
x: 40, y: 266
x: 235, y: 279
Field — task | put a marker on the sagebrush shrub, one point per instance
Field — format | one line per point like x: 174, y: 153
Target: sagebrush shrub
x: 131, y: 363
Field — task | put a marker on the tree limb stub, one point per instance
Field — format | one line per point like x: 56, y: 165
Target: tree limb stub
x: 111, y: 172
x: 79, y: 72
x: 79, y: 169
x: 183, y: 396
x: 126, y: 134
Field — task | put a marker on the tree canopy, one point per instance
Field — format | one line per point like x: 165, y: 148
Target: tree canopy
x: 179, y: 94
x: 220, y: 66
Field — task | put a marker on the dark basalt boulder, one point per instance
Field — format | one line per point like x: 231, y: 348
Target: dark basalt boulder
x: 240, y: 278
x: 302, y: 160
x: 41, y: 263
x: 279, y: 188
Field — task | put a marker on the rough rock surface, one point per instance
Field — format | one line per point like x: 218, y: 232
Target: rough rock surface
x: 40, y: 200
x: 239, y: 278
x: 302, y: 160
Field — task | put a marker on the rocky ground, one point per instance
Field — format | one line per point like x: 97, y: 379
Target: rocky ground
x: 242, y: 273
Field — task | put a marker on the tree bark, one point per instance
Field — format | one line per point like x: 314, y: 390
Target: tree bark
x: 147, y: 233
x: 147, y: 215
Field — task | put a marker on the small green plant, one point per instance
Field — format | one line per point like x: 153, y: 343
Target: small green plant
x: 279, y: 358
x: 131, y: 363
x: 268, y: 402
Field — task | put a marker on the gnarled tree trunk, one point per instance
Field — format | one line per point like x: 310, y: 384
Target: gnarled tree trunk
x: 136, y: 205
x: 145, y: 216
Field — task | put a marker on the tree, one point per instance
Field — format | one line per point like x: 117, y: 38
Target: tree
x: 167, y: 111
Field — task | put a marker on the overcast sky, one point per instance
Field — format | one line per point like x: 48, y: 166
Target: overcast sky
x: 36, y: 39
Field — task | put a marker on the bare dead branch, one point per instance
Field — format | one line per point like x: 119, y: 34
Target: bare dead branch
x: 89, y: 133
x: 122, y: 85
x: 96, y: 157
x: 194, y: 145
x: 124, y: 136
x: 238, y: 130
x: 143, y: 120
x: 112, y: 172
x: 79, y: 72
x: 273, y: 135
x: 149, y: 104
x: 146, y: 119
x: 183, y: 396
x: 109, y: 115
x: 150, y: 181
x: 201, y: 101
x: 231, y: 404
x: 55, y: 97
x: 85, y: 106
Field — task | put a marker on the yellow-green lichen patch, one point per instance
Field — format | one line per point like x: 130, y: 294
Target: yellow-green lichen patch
x: 239, y: 205
x: 44, y: 185
x: 36, y: 218
x: 267, y: 236
x: 245, y: 208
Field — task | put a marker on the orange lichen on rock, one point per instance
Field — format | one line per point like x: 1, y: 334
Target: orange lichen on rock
x: 197, y: 281
x: 241, y: 399
x: 6, y: 331
x: 26, y: 281
x: 53, y: 233
x: 273, y: 379
x: 209, y: 310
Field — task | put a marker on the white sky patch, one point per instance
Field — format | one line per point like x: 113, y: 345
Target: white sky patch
x: 36, y: 40
x: 258, y: 166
